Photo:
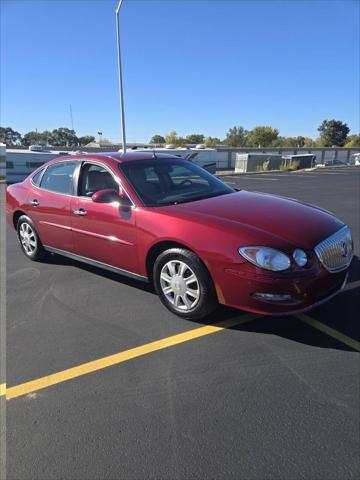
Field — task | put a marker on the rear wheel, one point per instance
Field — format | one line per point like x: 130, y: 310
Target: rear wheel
x: 29, y: 239
x: 184, y: 284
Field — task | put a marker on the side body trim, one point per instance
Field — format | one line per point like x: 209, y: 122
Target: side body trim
x: 57, y: 225
x: 96, y: 263
x: 111, y: 238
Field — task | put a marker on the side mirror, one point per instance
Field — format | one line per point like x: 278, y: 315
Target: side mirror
x: 106, y: 196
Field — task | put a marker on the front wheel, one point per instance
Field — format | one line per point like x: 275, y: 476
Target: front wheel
x: 29, y: 239
x: 184, y: 284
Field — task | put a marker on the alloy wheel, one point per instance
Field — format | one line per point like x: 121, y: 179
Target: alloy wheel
x: 180, y: 285
x: 27, y: 238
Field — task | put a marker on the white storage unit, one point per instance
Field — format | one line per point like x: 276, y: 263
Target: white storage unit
x: 20, y: 163
x: 252, y: 162
x: 2, y: 161
x: 204, y: 157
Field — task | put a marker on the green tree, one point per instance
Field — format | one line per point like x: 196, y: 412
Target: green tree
x: 181, y: 142
x: 236, y: 137
x: 333, y: 133
x: 353, y: 141
x: 309, y: 142
x: 46, y: 138
x: 293, y: 142
x: 262, y: 136
x: 9, y: 136
x: 171, y: 138
x: 86, y: 139
x: 64, y: 137
x: 157, y: 139
x: 32, y: 138
x: 300, y: 141
x: 212, y: 141
x: 195, y: 138
x: 281, y: 142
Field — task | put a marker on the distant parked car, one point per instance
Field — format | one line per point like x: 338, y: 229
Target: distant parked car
x: 36, y: 148
x: 162, y: 219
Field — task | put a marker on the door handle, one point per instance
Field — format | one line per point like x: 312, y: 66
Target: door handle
x: 34, y: 203
x: 80, y: 212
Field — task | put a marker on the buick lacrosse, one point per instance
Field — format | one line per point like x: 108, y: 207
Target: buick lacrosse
x: 162, y: 219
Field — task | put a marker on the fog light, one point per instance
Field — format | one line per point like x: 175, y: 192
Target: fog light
x: 272, y: 297
x: 300, y: 257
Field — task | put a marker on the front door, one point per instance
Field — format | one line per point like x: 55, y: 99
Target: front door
x: 104, y: 232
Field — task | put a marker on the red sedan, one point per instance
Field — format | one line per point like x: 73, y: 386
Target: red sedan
x: 162, y: 219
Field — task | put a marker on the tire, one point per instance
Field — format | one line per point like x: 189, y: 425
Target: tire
x: 183, y: 284
x: 29, y: 239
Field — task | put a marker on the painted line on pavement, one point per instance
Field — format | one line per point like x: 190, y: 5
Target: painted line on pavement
x: 350, y: 342
x: 104, y: 362
x: 101, y: 363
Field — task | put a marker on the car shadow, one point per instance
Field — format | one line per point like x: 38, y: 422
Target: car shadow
x: 339, y: 313
x: 354, y: 273
x: 289, y: 327
x: 55, y: 259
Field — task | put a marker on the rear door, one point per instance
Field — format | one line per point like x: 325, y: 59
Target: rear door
x: 105, y: 232
x: 50, y: 202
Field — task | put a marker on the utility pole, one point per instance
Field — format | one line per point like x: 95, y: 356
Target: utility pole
x: 121, y: 93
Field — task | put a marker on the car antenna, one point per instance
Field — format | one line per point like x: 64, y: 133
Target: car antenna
x: 154, y: 154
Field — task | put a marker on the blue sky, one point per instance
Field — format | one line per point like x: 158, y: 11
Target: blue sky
x: 193, y: 66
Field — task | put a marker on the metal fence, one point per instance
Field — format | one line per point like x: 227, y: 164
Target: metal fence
x: 225, y: 158
x: 20, y: 163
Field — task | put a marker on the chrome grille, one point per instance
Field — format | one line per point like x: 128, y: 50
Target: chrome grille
x: 336, y: 251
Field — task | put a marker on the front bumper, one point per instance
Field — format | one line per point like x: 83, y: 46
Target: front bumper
x: 238, y: 288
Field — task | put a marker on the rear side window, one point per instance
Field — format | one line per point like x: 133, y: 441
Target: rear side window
x: 59, y: 177
x: 37, y: 177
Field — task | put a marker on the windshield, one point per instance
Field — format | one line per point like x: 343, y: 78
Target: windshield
x: 171, y: 181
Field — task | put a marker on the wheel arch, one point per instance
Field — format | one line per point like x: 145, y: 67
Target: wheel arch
x: 163, y: 245
x: 16, y: 215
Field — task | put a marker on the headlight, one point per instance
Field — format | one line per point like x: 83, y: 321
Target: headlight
x: 300, y: 257
x: 266, y: 257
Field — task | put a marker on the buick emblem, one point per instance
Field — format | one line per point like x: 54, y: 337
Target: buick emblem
x: 344, y: 249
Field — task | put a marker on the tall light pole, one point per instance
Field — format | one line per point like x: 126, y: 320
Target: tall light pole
x: 121, y: 93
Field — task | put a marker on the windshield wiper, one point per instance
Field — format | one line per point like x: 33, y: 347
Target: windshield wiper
x: 194, y: 199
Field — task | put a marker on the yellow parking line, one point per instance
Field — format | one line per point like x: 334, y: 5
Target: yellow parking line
x: 351, y: 286
x: 101, y: 363
x: 350, y: 342
x: 93, y: 366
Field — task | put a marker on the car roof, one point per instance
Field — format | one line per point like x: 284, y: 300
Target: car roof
x: 128, y: 156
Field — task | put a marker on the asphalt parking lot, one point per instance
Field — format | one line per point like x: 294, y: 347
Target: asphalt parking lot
x: 253, y: 398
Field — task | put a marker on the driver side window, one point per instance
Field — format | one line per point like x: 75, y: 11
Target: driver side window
x: 93, y: 178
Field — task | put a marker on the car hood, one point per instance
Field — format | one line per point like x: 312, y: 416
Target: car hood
x: 296, y: 222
